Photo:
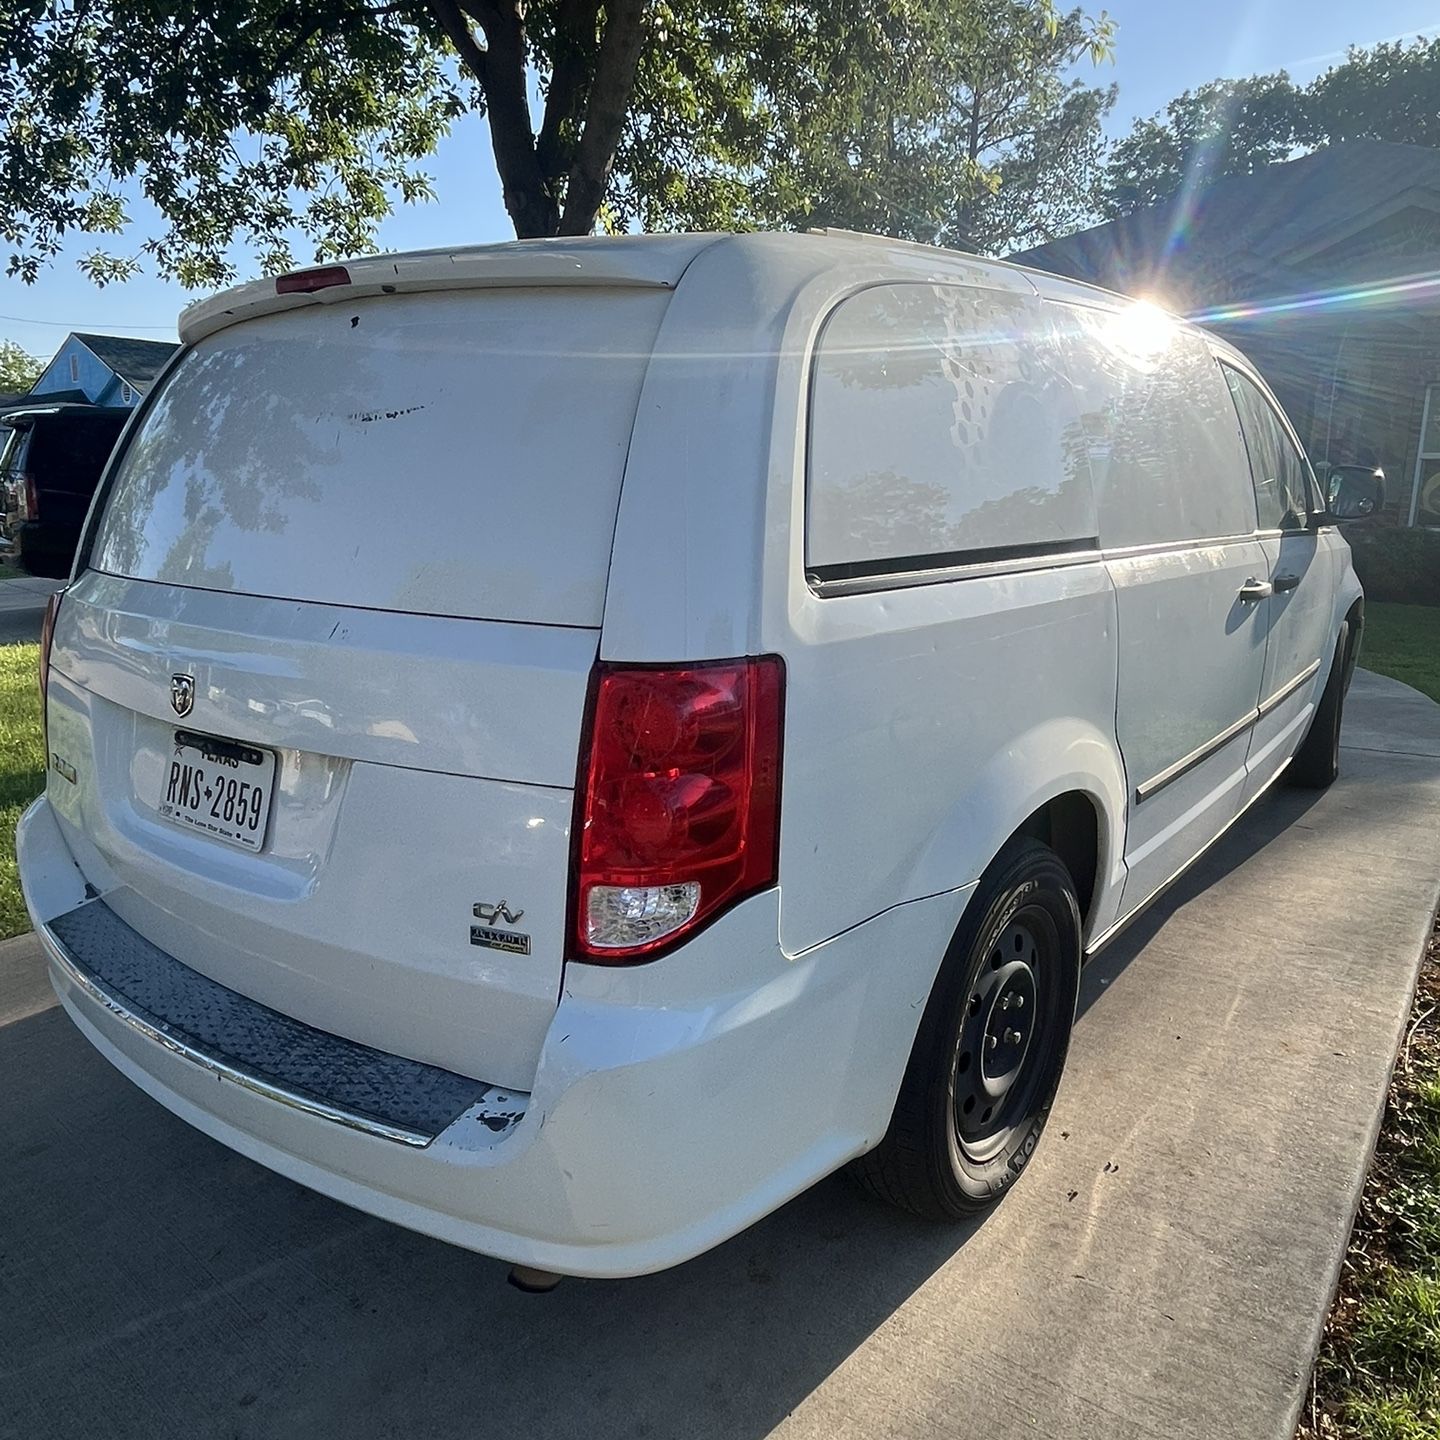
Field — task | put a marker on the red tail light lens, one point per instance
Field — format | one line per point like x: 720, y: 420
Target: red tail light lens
x: 306, y: 282
x: 678, y: 812
x: 29, y: 498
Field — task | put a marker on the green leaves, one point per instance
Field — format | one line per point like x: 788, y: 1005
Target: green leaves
x: 248, y: 124
x: 941, y: 122
x: 284, y: 131
x: 1231, y: 127
x: 1228, y: 127
x: 18, y: 370
x: 1389, y: 92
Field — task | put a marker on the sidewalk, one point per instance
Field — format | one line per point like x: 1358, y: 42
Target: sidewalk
x: 1163, y: 1269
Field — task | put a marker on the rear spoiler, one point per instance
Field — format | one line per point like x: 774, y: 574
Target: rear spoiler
x: 633, y: 262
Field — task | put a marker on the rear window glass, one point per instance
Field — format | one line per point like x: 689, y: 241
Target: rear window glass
x: 455, y: 453
x: 941, y: 430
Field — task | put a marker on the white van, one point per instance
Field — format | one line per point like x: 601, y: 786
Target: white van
x: 561, y: 745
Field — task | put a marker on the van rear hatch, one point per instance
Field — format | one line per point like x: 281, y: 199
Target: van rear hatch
x: 355, y: 558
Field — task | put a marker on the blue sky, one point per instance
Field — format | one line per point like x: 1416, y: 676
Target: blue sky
x: 1162, y: 47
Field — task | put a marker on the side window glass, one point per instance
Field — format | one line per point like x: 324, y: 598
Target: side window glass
x: 1158, y: 426
x: 942, y: 431
x: 1280, y: 473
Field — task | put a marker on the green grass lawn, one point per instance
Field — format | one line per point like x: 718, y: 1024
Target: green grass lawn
x: 22, y: 769
x: 1378, y: 1376
x: 1403, y: 641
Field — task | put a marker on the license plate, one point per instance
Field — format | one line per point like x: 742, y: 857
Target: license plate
x: 220, y: 787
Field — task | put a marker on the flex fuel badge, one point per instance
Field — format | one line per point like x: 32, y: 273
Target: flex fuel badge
x: 513, y: 942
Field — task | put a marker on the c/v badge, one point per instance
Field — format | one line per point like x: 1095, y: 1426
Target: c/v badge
x: 511, y: 941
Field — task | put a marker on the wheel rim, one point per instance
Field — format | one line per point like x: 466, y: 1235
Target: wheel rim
x: 1006, y: 1034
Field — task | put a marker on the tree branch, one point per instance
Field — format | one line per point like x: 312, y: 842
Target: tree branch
x: 610, y: 93
x: 500, y: 69
x: 457, y: 31
x: 574, y: 48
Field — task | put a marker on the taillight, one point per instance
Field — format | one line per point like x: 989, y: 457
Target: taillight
x: 29, y: 498
x: 307, y: 282
x: 47, y: 636
x: 678, y: 810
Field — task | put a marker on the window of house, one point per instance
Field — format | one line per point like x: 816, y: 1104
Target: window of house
x: 1283, y: 497
x: 1425, y: 484
x: 74, y: 368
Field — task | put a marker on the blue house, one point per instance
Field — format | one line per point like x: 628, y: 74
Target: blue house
x: 102, y: 369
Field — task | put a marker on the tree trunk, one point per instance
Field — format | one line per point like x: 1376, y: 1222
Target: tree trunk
x: 529, y: 168
x: 965, y: 211
x: 500, y: 69
x: 610, y: 94
x: 575, y: 22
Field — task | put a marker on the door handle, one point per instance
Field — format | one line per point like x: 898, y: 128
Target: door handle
x: 1253, y: 590
x: 1285, y: 582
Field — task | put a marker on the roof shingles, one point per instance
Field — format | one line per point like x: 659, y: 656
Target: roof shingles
x: 1241, y: 226
x: 135, y: 361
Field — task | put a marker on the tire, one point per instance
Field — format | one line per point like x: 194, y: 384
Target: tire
x: 954, y: 1145
x: 1317, y: 761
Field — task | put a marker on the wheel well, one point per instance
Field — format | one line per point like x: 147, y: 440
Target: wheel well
x: 1355, y: 618
x: 1070, y: 825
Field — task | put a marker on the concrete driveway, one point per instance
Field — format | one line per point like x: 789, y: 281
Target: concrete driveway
x: 22, y: 607
x: 1162, y: 1270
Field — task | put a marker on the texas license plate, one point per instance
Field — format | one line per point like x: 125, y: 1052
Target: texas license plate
x: 219, y: 786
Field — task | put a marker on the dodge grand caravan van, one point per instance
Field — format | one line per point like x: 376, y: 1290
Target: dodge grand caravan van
x: 561, y: 745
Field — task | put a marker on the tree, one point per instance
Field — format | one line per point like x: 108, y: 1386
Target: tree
x: 272, y: 124
x: 18, y: 370
x: 1231, y: 127
x: 1228, y: 127
x: 974, y: 137
x: 1389, y: 92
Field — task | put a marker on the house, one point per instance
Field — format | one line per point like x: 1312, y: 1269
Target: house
x: 102, y: 369
x: 1326, y: 272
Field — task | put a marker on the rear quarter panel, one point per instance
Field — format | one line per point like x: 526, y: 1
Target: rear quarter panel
x: 925, y: 725
x: 922, y: 725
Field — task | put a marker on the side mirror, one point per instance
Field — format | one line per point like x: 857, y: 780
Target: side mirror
x: 1354, y: 492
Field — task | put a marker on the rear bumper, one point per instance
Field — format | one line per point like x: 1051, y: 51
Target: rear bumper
x: 666, y: 1115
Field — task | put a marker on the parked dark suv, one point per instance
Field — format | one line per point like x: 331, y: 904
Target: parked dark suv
x: 50, y: 462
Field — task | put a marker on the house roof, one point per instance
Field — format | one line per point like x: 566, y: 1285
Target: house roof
x: 137, y: 361
x: 1263, y: 226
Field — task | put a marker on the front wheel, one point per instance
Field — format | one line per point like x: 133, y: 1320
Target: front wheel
x: 991, y: 1046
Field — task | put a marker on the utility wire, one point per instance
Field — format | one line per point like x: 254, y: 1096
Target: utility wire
x: 66, y: 325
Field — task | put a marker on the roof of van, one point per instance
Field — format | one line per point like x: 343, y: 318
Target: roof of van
x: 639, y: 261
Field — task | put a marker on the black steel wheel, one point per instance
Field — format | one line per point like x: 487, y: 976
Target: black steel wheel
x: 991, y: 1046
x: 1007, y: 1034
